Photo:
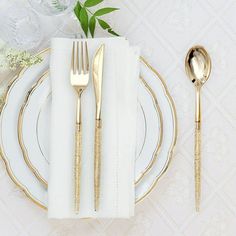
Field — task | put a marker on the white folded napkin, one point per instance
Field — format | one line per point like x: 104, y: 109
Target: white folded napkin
x: 119, y: 113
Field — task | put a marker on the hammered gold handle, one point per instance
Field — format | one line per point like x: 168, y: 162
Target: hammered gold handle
x: 197, y: 165
x: 97, y: 163
x: 78, y: 151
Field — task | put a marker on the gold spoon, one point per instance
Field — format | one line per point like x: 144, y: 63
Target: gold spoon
x: 198, y: 69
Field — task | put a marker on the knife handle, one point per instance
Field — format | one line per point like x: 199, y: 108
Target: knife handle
x: 197, y: 165
x: 78, y: 151
x: 97, y: 162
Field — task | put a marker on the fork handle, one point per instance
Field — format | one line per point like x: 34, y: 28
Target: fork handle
x: 97, y: 162
x: 78, y: 151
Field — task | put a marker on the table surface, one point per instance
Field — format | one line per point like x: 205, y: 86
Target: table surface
x: 165, y: 30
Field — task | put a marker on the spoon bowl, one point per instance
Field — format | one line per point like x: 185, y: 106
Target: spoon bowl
x: 198, y: 65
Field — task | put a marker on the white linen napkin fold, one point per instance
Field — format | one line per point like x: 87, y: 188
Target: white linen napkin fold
x: 119, y: 113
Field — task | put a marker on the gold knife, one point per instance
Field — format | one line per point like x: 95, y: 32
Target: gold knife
x: 97, y: 83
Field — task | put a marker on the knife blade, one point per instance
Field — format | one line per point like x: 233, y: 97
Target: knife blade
x: 97, y: 78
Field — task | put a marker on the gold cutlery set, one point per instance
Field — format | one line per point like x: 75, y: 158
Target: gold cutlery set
x: 79, y: 78
x: 198, y: 69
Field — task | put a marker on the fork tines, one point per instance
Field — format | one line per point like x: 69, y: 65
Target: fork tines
x: 80, y: 66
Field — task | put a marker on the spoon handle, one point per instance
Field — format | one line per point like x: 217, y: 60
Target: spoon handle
x: 197, y: 165
x: 197, y: 151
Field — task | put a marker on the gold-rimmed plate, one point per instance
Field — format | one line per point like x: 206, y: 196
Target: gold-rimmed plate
x: 11, y: 152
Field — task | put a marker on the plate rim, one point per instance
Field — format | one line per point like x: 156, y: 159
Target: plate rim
x: 4, y: 158
x: 24, y: 150
x: 175, y: 128
x: 158, y: 147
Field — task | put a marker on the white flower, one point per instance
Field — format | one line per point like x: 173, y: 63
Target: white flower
x: 13, y: 59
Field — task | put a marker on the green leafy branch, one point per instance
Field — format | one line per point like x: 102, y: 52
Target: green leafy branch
x: 89, y: 19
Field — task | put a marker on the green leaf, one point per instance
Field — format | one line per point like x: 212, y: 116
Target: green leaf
x: 92, y: 25
x: 91, y: 3
x: 113, y: 32
x: 77, y: 9
x: 103, y: 24
x: 107, y: 27
x: 104, y: 11
x: 83, y: 17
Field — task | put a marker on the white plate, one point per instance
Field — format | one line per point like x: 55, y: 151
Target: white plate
x: 33, y: 129
x: 10, y: 148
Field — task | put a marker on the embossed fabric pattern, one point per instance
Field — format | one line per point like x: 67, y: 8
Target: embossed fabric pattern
x: 165, y: 30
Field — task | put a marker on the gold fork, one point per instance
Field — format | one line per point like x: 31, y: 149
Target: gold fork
x: 79, y: 79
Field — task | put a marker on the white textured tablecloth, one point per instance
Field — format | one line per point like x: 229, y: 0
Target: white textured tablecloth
x: 165, y: 29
